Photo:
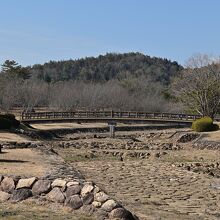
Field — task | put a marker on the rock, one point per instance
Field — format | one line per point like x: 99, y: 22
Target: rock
x: 97, y: 204
x: 1, y: 178
x: 86, y: 189
x: 158, y: 155
x: 96, y: 190
x: 75, y: 202
x: 101, y: 197
x: 121, y: 213
x: 4, y: 196
x: 26, y: 183
x: 88, y: 199
x: 21, y: 194
x: 41, y: 186
x: 101, y: 214
x: 72, y: 183
x: 56, y: 195
x: 88, y: 209
x: 73, y: 190
x: 58, y: 183
x: 7, y: 185
x: 109, y: 205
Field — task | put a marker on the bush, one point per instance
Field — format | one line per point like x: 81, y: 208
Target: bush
x: 8, y: 121
x: 5, y: 123
x: 9, y: 116
x: 204, y: 124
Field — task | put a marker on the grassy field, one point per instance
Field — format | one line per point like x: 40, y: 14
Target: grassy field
x: 32, y: 210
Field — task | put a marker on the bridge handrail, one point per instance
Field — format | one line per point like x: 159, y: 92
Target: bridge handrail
x: 106, y: 114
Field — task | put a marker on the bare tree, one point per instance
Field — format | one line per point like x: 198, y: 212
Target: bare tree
x: 199, y: 85
x: 33, y: 93
x: 9, y: 93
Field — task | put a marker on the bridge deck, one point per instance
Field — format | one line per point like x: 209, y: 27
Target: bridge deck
x: 107, y: 116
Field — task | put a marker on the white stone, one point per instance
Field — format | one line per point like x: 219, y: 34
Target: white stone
x: 72, y: 183
x: 86, y: 189
x: 109, y: 205
x: 58, y: 183
x: 26, y: 183
x: 101, y: 197
x: 97, y: 204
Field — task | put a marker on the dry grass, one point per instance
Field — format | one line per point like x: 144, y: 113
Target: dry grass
x: 24, y: 162
x: 7, y: 136
x: 30, y: 209
x: 68, y: 125
x: 212, y: 136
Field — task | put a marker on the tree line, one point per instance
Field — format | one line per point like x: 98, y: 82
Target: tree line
x: 130, y: 81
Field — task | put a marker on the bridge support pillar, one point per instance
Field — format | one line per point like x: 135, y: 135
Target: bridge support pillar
x: 112, y: 131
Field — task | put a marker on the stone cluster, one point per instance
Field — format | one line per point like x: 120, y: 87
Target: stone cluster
x: 72, y: 193
x: 124, y: 146
x: 125, y: 155
x: 14, y: 144
x: 205, y: 144
x: 212, y: 169
x: 188, y: 137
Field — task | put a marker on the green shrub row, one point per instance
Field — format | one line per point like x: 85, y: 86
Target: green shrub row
x: 8, y: 121
x: 204, y: 124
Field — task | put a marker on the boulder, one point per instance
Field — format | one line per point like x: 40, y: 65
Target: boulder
x: 101, y: 197
x: 75, y: 202
x: 26, y: 183
x: 7, y: 185
x: 41, y: 186
x: 101, y: 214
x: 86, y: 189
x: 109, y: 205
x: 4, y: 196
x: 88, y: 199
x: 56, y: 195
x: 58, y: 183
x: 21, y: 194
x: 121, y: 213
x: 73, y: 190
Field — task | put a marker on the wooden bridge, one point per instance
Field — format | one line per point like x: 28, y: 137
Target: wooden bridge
x: 108, y: 116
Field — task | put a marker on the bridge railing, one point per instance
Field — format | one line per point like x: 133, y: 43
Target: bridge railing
x: 106, y: 115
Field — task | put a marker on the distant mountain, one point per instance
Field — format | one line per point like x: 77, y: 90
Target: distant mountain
x: 107, y: 67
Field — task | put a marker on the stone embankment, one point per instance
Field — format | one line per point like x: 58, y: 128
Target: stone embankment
x: 63, y: 185
x: 72, y: 193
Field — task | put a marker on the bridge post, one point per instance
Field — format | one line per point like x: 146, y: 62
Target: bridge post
x: 112, y: 131
x: 112, y: 114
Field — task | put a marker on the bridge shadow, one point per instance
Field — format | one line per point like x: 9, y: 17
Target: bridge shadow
x: 12, y: 161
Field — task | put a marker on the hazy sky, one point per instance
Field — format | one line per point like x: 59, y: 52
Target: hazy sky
x: 36, y: 31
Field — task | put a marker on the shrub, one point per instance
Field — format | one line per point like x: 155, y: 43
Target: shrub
x: 204, y: 124
x: 9, y: 116
x: 8, y: 121
x: 5, y: 123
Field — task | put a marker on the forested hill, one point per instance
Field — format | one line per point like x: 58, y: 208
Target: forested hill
x: 107, y: 67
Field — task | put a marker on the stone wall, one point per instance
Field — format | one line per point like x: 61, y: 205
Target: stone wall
x: 73, y: 193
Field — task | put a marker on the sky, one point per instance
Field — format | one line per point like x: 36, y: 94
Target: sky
x: 37, y: 31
